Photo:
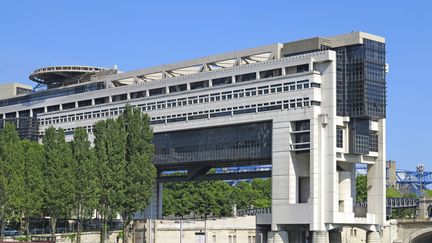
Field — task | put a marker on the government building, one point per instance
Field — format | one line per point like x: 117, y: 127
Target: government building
x: 313, y: 109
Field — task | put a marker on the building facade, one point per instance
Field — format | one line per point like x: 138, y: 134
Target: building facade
x: 312, y: 109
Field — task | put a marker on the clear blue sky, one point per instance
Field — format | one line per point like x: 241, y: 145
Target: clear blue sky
x: 137, y: 34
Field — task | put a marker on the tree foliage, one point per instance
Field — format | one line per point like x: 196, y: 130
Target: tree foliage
x: 86, y: 181
x: 361, y: 188
x: 32, y: 201
x: 214, y: 198
x: 59, y: 176
x: 140, y: 174
x: 110, y: 148
x: 11, y: 175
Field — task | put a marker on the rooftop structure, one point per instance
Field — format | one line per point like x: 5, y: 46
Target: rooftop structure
x: 61, y: 76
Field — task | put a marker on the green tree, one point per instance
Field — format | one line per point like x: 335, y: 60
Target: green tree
x: 244, y: 195
x: 34, y: 158
x: 141, y: 173
x: 59, y: 173
x: 214, y: 198
x: 86, y: 181
x: 262, y: 193
x: 110, y: 148
x: 361, y: 188
x: 11, y: 176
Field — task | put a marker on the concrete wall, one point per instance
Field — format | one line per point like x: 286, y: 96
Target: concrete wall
x: 242, y: 229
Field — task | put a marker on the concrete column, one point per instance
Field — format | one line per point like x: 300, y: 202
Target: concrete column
x: 373, y: 237
x: 160, y: 198
x: 376, y: 180
x: 345, y: 199
x: 320, y: 237
x: 423, y: 208
x: 280, y: 236
x: 283, y: 173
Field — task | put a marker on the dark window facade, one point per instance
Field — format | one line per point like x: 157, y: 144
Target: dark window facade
x: 27, y: 127
x: 52, y: 93
x: 339, y: 137
x: 237, y: 143
x: 360, y: 79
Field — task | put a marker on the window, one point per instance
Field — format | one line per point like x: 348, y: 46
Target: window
x: 177, y: 88
x: 302, y: 68
x: 339, y: 137
x: 232, y: 239
x: 68, y: 106
x: 221, y: 81
x: 119, y: 97
x: 158, y: 91
x: 271, y: 73
x: 245, y: 77
x: 101, y: 100
x: 199, y: 85
x: 138, y: 94
x: 83, y: 103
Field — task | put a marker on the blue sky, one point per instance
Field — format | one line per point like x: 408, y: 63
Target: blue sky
x: 137, y: 34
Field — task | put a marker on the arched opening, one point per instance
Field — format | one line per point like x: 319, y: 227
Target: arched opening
x: 421, y: 236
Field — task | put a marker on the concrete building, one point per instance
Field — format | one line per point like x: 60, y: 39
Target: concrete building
x: 312, y: 109
x: 10, y: 90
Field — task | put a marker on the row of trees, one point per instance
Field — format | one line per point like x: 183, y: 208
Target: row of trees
x: 214, y: 198
x: 58, y: 179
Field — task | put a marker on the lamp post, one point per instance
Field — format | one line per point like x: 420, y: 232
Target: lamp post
x: 420, y: 171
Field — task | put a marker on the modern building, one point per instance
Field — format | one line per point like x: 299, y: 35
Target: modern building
x: 312, y: 109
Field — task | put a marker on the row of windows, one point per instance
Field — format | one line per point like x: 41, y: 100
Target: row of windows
x: 184, y: 101
x: 228, y: 95
x: 238, y: 110
x: 300, y: 135
x: 207, y: 83
x: 230, y: 111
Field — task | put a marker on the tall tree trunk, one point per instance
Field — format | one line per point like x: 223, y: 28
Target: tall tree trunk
x: 53, y: 222
x: 27, y: 229
x: 126, y: 230
x: 2, y: 227
x: 78, y: 229
x: 104, y: 230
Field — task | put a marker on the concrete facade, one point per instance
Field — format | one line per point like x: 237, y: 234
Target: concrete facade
x: 313, y: 163
x: 10, y: 90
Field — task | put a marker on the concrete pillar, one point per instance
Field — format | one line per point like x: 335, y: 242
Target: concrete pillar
x: 320, y: 237
x: 335, y: 236
x: 376, y: 179
x: 280, y: 236
x: 345, y: 199
x: 373, y: 237
x: 423, y: 208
